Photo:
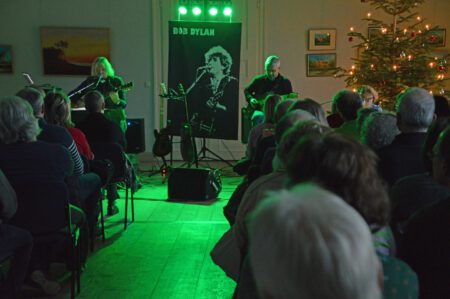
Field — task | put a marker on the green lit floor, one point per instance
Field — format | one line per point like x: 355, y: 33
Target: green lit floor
x: 164, y: 253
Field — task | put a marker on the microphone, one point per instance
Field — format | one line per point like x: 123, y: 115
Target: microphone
x: 204, y: 67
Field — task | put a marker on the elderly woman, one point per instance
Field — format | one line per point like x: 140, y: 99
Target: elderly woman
x: 57, y: 112
x: 22, y: 158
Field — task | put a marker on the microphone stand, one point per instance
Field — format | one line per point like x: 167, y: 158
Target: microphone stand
x: 76, y: 92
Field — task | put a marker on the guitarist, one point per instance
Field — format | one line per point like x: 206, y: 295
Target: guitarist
x: 271, y: 82
x: 104, y: 80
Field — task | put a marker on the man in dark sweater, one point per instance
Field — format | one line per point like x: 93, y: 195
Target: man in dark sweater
x: 415, y: 112
x: 98, y: 129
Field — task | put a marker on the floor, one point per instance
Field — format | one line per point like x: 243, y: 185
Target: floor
x: 164, y: 253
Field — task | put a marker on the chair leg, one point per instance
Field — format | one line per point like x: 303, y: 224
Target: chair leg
x: 125, y: 221
x: 102, y: 216
x: 78, y: 278
x: 132, y: 206
x: 74, y: 266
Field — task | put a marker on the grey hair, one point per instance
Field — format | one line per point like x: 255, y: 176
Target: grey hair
x: 289, y: 120
x: 379, y: 129
x: 33, y: 96
x: 17, y: 121
x: 415, y: 109
x: 314, y: 245
x: 293, y: 134
x: 271, y: 60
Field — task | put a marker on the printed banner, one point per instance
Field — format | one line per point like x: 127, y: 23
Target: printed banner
x: 204, y: 60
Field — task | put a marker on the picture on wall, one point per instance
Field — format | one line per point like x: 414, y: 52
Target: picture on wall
x: 6, y: 59
x: 436, y: 37
x: 70, y: 51
x: 322, y: 39
x: 321, y: 65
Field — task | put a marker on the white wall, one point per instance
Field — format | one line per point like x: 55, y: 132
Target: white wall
x: 139, y: 43
x: 130, y: 34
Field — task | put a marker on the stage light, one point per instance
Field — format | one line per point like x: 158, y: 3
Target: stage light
x: 227, y: 11
x: 182, y: 10
x: 196, y: 11
x: 213, y: 11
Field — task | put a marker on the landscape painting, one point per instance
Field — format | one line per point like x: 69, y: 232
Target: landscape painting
x: 70, y: 51
x: 321, y: 65
x: 5, y: 59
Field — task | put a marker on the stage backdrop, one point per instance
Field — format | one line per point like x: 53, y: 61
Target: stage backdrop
x: 204, y: 58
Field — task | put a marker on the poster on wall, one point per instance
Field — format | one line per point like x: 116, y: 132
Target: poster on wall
x: 204, y: 61
x: 70, y: 51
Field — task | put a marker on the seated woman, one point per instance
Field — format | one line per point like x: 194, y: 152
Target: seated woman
x: 57, y: 112
x: 23, y: 158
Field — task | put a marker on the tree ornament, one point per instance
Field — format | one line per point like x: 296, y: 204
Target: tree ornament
x: 413, y: 34
x: 350, y: 38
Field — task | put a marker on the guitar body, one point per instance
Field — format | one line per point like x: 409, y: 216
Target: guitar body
x: 162, y: 146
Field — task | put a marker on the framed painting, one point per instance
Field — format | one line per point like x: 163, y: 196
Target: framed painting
x: 436, y: 37
x: 322, y: 39
x: 70, y: 51
x: 321, y: 65
x: 6, y: 66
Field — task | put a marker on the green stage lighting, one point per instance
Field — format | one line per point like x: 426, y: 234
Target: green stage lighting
x: 196, y: 10
x: 213, y: 11
x: 227, y: 11
x: 182, y: 10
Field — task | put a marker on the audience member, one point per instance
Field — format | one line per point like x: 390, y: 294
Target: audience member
x: 378, y: 129
x: 57, y: 112
x: 22, y: 157
x: 442, y: 107
x: 347, y: 105
x: 14, y: 242
x: 412, y: 193
x: 361, y: 116
x: 264, y: 129
x: 425, y: 245
x: 345, y: 167
x: 308, y: 243
x: 415, y: 111
x: 98, y: 129
x: 369, y: 96
x: 312, y: 107
x: 51, y: 133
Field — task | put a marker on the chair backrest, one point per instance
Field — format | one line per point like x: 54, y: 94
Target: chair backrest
x: 42, y: 206
x: 114, y: 153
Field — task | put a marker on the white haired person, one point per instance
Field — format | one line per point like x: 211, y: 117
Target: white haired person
x: 415, y: 113
x: 309, y: 243
x: 23, y: 158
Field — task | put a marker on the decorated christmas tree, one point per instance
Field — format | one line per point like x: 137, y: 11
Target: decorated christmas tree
x: 397, y: 54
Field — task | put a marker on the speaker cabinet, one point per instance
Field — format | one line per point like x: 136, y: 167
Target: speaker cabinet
x: 135, y: 135
x: 194, y: 184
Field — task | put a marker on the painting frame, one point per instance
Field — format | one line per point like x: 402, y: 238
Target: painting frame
x: 71, y: 50
x: 6, y: 59
x: 322, y: 39
x: 321, y: 64
x: 440, y: 34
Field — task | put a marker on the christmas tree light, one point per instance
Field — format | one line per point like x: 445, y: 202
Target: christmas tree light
x: 398, y: 55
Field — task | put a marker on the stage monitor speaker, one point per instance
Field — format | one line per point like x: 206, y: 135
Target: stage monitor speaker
x: 194, y: 184
x: 135, y: 135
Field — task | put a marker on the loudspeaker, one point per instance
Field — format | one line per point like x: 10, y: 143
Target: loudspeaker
x: 196, y: 184
x: 135, y: 135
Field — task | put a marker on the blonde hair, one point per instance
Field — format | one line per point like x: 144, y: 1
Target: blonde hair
x: 109, y: 69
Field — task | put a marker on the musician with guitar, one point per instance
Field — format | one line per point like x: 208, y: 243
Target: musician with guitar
x: 271, y: 82
x: 112, y: 87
